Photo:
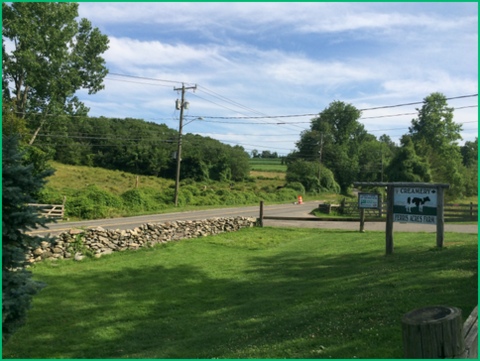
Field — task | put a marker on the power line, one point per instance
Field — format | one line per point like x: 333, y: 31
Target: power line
x: 147, y: 78
x: 316, y: 114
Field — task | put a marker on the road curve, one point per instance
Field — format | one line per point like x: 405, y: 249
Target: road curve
x: 278, y: 210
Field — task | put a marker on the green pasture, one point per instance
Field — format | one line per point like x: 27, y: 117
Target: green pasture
x: 256, y: 293
x: 267, y: 165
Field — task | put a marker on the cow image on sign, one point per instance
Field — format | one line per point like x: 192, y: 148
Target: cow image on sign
x: 412, y: 202
x: 415, y: 205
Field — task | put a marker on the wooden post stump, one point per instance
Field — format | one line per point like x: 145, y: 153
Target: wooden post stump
x: 433, y: 332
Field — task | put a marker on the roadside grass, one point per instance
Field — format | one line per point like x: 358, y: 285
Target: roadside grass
x: 256, y: 293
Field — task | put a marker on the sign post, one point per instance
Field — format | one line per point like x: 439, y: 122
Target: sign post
x: 367, y: 201
x: 409, y: 202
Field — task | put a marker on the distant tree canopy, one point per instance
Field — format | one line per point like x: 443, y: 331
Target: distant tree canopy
x: 145, y: 148
x: 343, y: 144
x: 428, y: 153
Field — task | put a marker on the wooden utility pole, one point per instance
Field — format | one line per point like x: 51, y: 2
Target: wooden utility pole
x: 320, y: 157
x: 179, y: 145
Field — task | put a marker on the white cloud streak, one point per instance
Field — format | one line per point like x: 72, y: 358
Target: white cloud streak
x: 284, y: 58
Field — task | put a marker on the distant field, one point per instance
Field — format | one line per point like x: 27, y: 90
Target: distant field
x: 265, y: 174
x: 267, y: 165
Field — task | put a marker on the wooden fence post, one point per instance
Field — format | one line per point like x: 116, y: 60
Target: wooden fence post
x: 362, y: 220
x: 389, y: 222
x: 433, y: 332
x: 440, y: 217
x: 260, y: 220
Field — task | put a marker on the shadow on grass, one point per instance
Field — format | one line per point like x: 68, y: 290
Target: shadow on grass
x: 291, y: 304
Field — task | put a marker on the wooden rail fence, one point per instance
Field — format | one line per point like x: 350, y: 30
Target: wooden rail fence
x: 50, y: 210
x: 452, y: 212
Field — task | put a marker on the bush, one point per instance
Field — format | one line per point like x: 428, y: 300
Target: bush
x: 297, y: 186
x: 92, y: 203
x: 50, y: 196
x: 138, y: 200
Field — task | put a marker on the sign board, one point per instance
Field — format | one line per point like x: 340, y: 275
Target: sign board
x: 415, y: 205
x: 368, y: 200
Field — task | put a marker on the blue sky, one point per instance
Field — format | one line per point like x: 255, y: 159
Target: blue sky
x: 276, y: 59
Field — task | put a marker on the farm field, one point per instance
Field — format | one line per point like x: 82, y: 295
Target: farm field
x: 256, y: 293
x: 269, y: 169
x: 267, y: 165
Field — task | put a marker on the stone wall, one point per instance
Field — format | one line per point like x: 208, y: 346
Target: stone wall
x: 76, y: 244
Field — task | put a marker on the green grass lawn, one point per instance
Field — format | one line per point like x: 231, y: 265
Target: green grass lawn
x: 256, y: 293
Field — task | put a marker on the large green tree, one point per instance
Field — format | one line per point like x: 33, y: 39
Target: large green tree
x: 435, y: 135
x: 47, y: 55
x: 406, y: 165
x: 20, y: 183
x: 335, y: 137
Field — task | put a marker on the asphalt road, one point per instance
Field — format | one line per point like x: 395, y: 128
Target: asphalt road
x: 277, y: 210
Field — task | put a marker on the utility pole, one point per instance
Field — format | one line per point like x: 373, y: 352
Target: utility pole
x: 180, y: 105
x: 320, y: 157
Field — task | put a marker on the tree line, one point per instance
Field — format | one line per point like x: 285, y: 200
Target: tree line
x: 337, y: 150
x: 139, y: 147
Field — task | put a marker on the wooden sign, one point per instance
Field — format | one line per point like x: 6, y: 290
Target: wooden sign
x: 368, y: 200
x: 415, y: 205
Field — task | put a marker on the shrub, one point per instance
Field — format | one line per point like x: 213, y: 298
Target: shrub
x: 50, y: 196
x: 297, y: 186
x: 92, y: 203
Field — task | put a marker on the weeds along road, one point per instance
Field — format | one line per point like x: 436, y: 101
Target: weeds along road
x: 277, y: 210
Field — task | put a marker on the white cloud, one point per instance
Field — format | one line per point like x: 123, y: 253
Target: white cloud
x: 284, y: 58
x: 127, y: 52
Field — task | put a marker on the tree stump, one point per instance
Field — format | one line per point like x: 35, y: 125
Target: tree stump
x: 433, y: 332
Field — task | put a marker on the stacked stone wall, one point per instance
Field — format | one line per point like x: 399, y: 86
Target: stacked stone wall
x: 76, y: 244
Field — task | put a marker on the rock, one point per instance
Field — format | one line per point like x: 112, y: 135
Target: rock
x: 46, y: 254
x: 103, y: 242
x: 76, y: 231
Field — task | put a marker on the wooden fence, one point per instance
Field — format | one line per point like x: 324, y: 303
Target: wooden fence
x: 437, y: 332
x: 452, y: 212
x: 50, y: 210
x: 470, y: 332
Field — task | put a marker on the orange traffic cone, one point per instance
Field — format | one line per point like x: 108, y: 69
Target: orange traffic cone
x: 300, y: 200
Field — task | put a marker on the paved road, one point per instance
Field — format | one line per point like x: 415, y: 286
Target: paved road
x: 279, y: 210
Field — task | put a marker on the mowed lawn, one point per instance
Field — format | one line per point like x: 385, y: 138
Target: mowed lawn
x: 256, y: 293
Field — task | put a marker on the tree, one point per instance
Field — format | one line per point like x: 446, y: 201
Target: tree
x: 20, y: 183
x: 52, y: 56
x: 434, y: 135
x: 307, y: 173
x: 337, y: 135
x: 470, y: 153
x: 407, y: 166
x: 434, y: 124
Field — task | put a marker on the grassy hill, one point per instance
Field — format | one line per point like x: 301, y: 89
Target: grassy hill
x: 100, y: 193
